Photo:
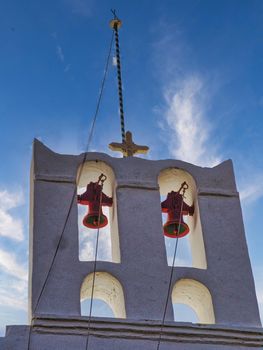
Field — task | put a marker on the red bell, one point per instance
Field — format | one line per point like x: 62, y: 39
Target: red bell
x: 95, y: 199
x: 175, y: 207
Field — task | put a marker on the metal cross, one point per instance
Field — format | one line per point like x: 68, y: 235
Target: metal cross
x: 128, y: 148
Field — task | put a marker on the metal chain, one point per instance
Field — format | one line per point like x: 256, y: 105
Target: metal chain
x: 115, y: 28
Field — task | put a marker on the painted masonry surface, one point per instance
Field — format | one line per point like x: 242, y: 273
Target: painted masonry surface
x: 219, y: 286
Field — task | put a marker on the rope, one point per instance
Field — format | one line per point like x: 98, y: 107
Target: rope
x: 172, y: 271
x: 77, y: 180
x: 115, y: 28
x: 100, y: 95
x: 94, y: 271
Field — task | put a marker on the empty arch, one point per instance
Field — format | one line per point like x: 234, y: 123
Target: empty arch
x: 99, y: 308
x: 184, y: 313
x: 106, y: 288
x: 197, y: 296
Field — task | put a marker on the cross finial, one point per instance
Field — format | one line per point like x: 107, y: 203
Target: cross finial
x: 128, y: 148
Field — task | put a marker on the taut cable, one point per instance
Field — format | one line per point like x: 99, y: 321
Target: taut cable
x: 183, y: 188
x: 75, y: 190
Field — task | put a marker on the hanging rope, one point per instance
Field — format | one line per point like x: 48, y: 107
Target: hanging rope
x: 77, y: 181
x: 183, y: 187
x: 102, y: 178
x: 115, y: 24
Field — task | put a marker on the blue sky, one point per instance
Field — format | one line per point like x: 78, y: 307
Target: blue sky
x: 192, y: 76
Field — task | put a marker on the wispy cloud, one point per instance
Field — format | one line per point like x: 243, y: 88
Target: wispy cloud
x: 12, y: 301
x: 252, y: 190
x: 187, y: 94
x: 9, y: 225
x: 259, y: 287
x: 88, y: 239
x: 13, y: 288
x: 189, y: 129
x: 10, y: 265
x: 260, y: 302
x: 60, y: 53
x: 67, y: 68
x: 183, y: 254
x: 13, y: 271
x: 13, y: 294
x: 80, y: 7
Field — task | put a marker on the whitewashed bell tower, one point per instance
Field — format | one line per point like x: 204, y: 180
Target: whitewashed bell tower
x: 219, y: 286
x: 138, y: 285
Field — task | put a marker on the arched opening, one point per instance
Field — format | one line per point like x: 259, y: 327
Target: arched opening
x: 190, y: 248
x: 196, y: 296
x: 108, y: 246
x: 106, y: 289
x: 99, y: 308
x: 184, y: 313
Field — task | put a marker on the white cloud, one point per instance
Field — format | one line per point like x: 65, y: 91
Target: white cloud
x: 60, y: 54
x: 87, y: 239
x: 10, y: 226
x: 14, y: 301
x: 10, y: 200
x: 114, y: 61
x: 13, y: 298
x: 260, y: 302
x: 87, y: 251
x: 80, y: 7
x: 183, y: 254
x: 13, y: 288
x: 88, y: 244
x: 67, y: 68
x: 259, y: 287
x: 189, y: 129
x: 9, y: 265
x: 13, y: 281
x: 187, y: 95
x: 252, y: 192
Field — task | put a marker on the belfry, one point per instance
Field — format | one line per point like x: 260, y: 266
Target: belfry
x: 137, y: 285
